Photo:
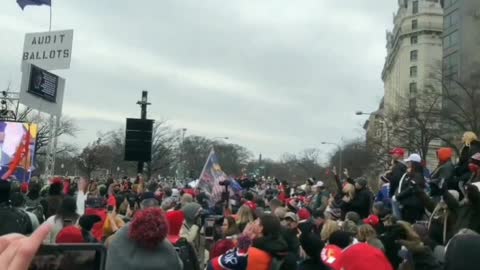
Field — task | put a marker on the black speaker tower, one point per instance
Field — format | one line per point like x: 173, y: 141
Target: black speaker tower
x: 138, y: 136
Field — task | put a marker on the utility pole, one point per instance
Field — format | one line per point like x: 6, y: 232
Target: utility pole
x: 143, y: 115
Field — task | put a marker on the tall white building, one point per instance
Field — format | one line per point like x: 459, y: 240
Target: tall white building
x: 414, y: 55
x: 414, y: 51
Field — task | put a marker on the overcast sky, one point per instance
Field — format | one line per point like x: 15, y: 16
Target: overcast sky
x: 273, y: 75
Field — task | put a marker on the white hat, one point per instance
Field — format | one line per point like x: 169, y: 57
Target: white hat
x: 414, y: 158
x: 319, y: 184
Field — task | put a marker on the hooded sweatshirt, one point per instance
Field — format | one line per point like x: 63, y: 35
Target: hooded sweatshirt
x: 123, y: 253
x: 462, y: 253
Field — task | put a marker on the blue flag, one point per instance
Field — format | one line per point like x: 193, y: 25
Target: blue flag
x: 23, y: 3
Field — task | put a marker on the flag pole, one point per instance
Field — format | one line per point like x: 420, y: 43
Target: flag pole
x: 50, y: 26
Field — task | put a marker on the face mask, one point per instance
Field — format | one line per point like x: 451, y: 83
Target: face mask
x: 473, y: 167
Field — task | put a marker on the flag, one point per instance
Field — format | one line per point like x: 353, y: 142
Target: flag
x: 211, y: 177
x: 234, y: 185
x: 23, y: 3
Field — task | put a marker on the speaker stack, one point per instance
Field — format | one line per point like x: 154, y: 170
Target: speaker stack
x: 138, y: 140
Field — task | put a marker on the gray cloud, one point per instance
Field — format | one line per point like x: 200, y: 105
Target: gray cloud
x: 275, y: 76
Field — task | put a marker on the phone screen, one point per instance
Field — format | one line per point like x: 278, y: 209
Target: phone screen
x: 209, y: 227
x: 69, y: 257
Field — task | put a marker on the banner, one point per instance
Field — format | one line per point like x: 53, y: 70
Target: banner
x: 17, y: 147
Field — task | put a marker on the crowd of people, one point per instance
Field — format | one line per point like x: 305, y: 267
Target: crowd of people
x: 417, y: 220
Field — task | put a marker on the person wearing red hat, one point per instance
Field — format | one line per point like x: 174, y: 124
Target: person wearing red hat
x: 356, y: 257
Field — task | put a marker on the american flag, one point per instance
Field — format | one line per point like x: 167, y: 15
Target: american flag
x: 211, y: 177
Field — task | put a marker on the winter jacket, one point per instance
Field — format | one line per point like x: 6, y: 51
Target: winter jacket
x: 320, y: 201
x: 411, y: 205
x: 361, y: 203
x: 421, y: 255
x: 445, y: 169
x: 467, y: 214
x: 264, y: 250
x: 461, y: 170
x: 462, y: 253
x: 383, y: 195
x: 398, y: 170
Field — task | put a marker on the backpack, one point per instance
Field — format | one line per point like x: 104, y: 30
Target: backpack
x: 36, y: 208
x: 14, y: 220
x: 187, y: 254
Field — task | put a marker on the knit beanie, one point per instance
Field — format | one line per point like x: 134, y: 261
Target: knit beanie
x: 142, y: 244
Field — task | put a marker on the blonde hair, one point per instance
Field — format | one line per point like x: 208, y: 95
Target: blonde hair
x: 186, y: 198
x: 469, y: 137
x: 329, y: 227
x: 349, y: 189
x: 245, y: 214
x: 366, y: 232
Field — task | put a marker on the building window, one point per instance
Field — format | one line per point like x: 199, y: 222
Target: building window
x: 413, y: 103
x: 449, y: 3
x: 451, y: 19
x: 413, y: 88
x: 450, y: 40
x: 415, y: 7
x: 413, y: 39
x: 414, y: 24
x: 450, y: 65
x: 414, y: 55
x: 413, y: 71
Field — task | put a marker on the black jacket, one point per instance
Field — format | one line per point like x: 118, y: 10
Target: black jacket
x: 446, y: 171
x: 398, y: 170
x: 412, y: 206
x: 361, y: 203
x: 461, y: 170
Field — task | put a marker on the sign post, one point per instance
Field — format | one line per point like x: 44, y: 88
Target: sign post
x: 42, y: 90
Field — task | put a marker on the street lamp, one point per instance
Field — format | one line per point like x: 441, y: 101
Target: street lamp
x: 340, y: 153
x: 380, y: 119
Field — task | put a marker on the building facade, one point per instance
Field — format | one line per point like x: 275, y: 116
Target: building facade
x: 414, y: 56
x: 414, y: 52
x: 461, y: 39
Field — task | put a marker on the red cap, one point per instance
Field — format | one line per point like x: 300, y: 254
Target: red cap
x: 303, y: 214
x: 398, y: 151
x: 251, y: 205
x: 70, y: 234
x: 357, y: 257
x: 372, y: 220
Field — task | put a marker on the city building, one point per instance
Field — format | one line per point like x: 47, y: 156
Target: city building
x: 414, y: 56
x: 461, y: 39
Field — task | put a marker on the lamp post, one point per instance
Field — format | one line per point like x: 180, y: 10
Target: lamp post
x: 340, y: 153
x: 382, y: 121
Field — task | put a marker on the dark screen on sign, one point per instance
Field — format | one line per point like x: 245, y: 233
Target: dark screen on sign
x: 43, y: 84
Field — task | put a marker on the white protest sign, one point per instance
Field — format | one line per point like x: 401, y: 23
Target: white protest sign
x: 48, y: 50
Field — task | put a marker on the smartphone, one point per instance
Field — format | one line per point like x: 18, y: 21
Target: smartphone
x: 209, y: 228
x: 70, y: 257
x: 110, y: 208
